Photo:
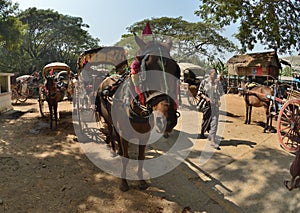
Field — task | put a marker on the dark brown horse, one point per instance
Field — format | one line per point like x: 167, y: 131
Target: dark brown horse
x: 258, y: 96
x: 53, y: 96
x: 116, y: 102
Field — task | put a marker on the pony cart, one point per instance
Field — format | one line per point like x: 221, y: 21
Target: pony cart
x: 288, y: 120
x: 93, y: 66
x: 191, y: 76
x: 58, y: 86
x: 24, y: 87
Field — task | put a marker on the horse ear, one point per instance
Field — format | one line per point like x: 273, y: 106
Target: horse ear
x: 140, y: 42
x: 169, y: 44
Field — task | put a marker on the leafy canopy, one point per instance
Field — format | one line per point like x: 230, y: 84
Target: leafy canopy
x: 49, y: 37
x: 191, y: 41
x: 11, y: 29
x: 274, y: 23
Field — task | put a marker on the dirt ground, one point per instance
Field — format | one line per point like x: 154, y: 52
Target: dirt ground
x: 43, y: 170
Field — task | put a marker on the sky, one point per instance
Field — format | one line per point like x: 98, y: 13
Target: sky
x: 108, y: 19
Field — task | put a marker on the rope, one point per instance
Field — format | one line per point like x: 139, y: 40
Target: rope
x: 164, y: 72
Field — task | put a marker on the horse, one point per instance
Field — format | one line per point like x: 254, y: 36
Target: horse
x: 53, y: 96
x: 258, y: 96
x: 132, y: 120
x: 155, y: 55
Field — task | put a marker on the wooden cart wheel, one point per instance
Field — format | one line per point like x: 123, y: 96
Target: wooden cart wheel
x: 22, y: 97
x: 14, y: 96
x: 192, y: 97
x: 288, y: 125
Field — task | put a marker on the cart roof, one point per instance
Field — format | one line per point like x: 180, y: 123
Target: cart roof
x: 56, y: 67
x: 110, y: 55
x: 197, y: 70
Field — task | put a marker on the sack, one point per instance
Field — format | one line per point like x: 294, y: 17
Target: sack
x: 202, y: 105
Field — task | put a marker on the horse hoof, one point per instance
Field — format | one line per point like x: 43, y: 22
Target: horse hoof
x: 114, y: 154
x: 124, y: 187
x: 143, y: 185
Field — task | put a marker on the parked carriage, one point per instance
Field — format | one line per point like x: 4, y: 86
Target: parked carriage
x: 288, y: 121
x: 63, y: 75
x: 24, y: 87
x: 92, y: 67
x: 191, y: 76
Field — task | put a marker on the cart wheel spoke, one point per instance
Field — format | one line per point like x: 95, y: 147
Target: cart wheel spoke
x: 288, y: 125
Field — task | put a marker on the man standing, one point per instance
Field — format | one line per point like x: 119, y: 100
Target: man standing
x: 211, y: 90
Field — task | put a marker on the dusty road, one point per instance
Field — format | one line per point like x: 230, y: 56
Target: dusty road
x: 43, y: 170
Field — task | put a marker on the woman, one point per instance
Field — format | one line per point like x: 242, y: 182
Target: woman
x: 211, y: 90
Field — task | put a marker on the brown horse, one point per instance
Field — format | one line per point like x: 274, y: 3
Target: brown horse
x: 53, y: 96
x: 126, y: 122
x: 116, y: 102
x: 258, y: 96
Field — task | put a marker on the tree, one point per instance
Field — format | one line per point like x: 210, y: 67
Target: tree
x: 273, y: 23
x: 190, y: 40
x: 49, y: 37
x: 11, y: 29
x: 54, y: 37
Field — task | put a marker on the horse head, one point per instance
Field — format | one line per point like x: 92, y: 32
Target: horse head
x: 155, y: 56
x: 51, y: 85
x: 159, y: 104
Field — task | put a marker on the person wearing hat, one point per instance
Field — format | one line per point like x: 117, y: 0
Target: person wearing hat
x: 211, y: 90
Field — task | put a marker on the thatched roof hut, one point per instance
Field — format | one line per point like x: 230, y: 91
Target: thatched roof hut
x: 255, y: 64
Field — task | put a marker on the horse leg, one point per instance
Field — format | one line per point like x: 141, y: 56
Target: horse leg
x: 120, y: 151
x: 271, y: 120
x: 143, y: 184
x: 51, y: 114
x: 267, y: 120
x: 112, y: 138
x: 247, y: 112
x: 55, y: 114
x: 250, y: 114
x: 166, y: 134
x: 125, y: 158
x: 108, y: 135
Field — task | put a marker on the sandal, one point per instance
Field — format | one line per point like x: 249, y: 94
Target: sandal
x: 286, y: 182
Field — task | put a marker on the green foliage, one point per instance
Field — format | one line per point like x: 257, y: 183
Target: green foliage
x: 286, y: 71
x: 11, y: 29
x: 49, y: 37
x: 274, y: 23
x: 191, y: 41
x: 220, y: 67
